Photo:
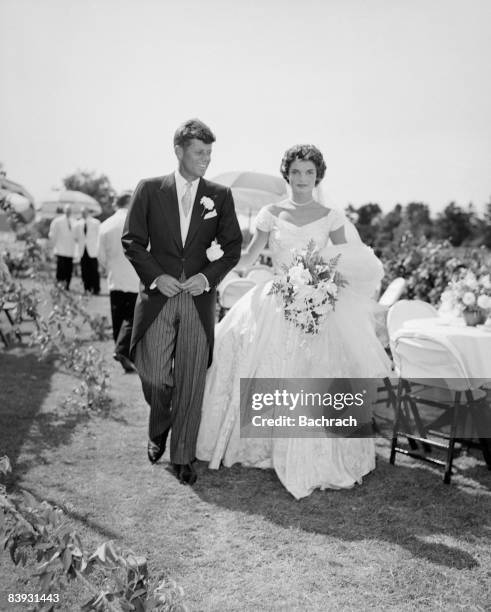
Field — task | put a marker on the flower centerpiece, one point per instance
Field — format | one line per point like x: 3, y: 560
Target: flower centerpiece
x: 309, y: 288
x: 469, y: 296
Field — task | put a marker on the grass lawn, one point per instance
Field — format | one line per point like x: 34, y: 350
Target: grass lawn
x: 237, y: 540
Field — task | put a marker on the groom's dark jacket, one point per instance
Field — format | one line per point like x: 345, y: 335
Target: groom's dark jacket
x: 152, y: 242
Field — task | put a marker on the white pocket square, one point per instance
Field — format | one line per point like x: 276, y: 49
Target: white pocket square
x: 210, y: 215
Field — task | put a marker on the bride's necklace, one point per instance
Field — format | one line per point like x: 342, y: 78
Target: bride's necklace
x: 299, y: 205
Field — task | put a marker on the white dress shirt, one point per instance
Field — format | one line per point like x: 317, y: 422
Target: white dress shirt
x: 88, y: 239
x: 184, y: 220
x: 181, y: 184
x: 121, y: 275
x: 62, y: 234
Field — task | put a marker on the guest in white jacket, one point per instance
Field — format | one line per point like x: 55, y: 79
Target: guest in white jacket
x: 88, y: 238
x: 122, y: 280
x: 63, y: 236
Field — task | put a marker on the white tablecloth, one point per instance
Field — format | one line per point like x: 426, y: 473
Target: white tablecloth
x: 472, y: 343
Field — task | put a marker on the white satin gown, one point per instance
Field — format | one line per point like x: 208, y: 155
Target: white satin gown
x: 255, y: 341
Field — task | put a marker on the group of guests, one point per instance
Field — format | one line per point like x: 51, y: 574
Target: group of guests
x: 100, y: 243
x: 71, y: 237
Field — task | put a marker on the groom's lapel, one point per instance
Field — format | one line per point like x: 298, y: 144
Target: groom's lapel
x: 170, y: 207
x: 196, y: 219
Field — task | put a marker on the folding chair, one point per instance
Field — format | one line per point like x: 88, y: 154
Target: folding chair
x: 393, y: 292
x: 259, y: 274
x: 405, y: 310
x: 231, y: 293
x: 401, y: 311
x: 449, y: 388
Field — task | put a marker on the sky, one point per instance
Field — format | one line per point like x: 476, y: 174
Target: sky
x: 396, y: 93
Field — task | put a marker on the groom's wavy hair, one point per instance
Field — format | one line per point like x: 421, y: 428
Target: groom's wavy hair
x: 305, y: 152
x: 193, y: 128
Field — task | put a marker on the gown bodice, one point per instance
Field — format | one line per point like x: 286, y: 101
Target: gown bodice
x: 284, y: 236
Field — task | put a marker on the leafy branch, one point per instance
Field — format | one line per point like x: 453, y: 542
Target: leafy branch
x: 28, y: 526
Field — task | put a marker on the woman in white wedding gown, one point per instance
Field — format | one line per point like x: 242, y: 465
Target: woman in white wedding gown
x: 254, y: 340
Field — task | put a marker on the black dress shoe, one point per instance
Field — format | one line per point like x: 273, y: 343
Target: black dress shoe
x: 185, y: 473
x: 156, y: 447
x: 127, y: 364
x: 189, y: 474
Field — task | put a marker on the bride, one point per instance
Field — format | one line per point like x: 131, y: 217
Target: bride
x: 254, y: 340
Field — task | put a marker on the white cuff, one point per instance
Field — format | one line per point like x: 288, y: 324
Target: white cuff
x: 207, y: 288
x: 153, y: 285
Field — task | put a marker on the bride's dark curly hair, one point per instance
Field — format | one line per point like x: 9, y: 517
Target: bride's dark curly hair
x: 305, y: 153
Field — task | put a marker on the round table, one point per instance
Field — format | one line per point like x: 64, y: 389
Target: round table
x: 472, y: 343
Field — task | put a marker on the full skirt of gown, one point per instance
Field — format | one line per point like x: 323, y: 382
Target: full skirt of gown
x: 254, y: 340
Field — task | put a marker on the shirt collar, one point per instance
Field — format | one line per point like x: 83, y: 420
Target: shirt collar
x: 181, y: 182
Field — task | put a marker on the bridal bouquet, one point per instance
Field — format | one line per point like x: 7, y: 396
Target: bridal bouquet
x: 309, y: 288
x: 469, y: 295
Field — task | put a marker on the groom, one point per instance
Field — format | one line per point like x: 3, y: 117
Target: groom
x: 171, y: 223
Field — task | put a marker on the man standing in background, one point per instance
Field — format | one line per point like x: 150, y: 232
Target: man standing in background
x: 62, y: 234
x: 122, y: 280
x: 87, y: 238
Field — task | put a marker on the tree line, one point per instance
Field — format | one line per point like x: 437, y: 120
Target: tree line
x: 461, y: 227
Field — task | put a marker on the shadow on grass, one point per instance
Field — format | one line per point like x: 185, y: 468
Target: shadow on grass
x: 406, y: 506
x: 26, y: 431
x: 75, y: 515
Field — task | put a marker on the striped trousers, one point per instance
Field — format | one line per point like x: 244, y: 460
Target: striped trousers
x: 171, y: 360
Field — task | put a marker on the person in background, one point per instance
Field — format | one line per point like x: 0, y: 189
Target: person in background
x: 87, y: 238
x: 62, y: 235
x: 122, y: 280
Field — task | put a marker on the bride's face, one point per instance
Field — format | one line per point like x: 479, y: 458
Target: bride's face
x: 302, y: 176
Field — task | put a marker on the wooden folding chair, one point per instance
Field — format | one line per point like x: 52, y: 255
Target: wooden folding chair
x: 432, y: 374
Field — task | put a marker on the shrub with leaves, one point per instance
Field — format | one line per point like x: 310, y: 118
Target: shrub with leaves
x: 59, y: 334
x: 31, y: 528
x: 428, y: 265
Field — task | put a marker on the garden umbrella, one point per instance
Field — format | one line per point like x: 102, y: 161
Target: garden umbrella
x: 17, y: 198
x: 76, y: 199
x: 252, y: 191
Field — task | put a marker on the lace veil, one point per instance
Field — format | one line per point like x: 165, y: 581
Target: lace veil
x: 351, y: 233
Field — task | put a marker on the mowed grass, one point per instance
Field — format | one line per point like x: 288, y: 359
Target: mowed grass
x: 237, y: 540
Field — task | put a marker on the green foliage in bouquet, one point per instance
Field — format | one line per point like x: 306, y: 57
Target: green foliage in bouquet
x: 309, y: 288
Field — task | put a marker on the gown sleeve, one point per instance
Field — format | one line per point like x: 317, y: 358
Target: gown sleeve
x: 264, y: 220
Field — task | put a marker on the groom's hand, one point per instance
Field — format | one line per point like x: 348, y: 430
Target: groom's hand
x: 195, y: 285
x: 168, y: 285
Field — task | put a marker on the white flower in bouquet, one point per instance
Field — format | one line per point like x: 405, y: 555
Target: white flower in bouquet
x: 447, y: 296
x: 303, y: 318
x: 468, y: 299
x: 319, y: 293
x: 309, y: 289
x: 470, y: 281
x: 331, y: 288
x: 484, y: 302
x: 324, y: 309
x: 299, y: 275
x: 485, y: 281
x: 303, y: 292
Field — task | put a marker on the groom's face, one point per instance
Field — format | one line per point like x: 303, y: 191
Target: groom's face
x: 194, y: 159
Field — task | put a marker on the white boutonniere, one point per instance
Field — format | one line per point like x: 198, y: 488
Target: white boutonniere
x: 208, y: 204
x: 214, y: 251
